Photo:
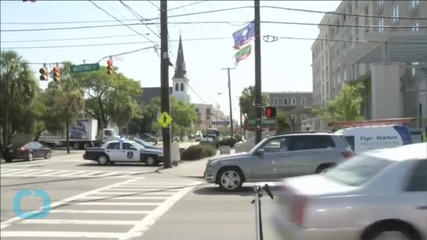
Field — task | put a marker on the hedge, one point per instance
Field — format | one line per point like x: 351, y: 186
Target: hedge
x: 230, y: 141
x: 197, y: 152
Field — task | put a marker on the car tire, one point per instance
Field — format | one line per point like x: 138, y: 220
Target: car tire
x: 150, y: 161
x: 103, y: 160
x: 322, y: 168
x: 87, y: 145
x: 230, y: 179
x: 48, y: 155
x: 398, y: 230
x: 8, y: 160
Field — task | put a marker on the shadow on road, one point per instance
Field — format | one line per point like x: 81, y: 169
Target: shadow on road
x: 215, y: 190
x: 115, y: 164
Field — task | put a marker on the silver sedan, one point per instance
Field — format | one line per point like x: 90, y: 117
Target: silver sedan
x: 381, y: 194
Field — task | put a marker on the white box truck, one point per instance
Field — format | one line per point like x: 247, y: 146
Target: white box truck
x: 82, y: 134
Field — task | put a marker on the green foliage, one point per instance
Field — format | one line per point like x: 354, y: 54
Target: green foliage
x: 111, y: 98
x: 197, y: 152
x: 346, y: 106
x: 283, y: 121
x: 18, y: 91
x: 227, y: 142
x: 247, y: 100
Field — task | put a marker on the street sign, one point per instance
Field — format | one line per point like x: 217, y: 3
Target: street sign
x: 85, y: 68
x: 265, y: 123
x: 165, y: 120
x: 222, y: 123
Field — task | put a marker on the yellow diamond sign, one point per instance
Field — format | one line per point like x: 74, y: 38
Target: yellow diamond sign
x: 165, y: 119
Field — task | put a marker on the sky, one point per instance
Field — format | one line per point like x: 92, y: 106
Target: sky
x: 286, y: 64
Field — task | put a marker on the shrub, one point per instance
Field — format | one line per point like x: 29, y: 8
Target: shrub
x: 227, y: 142
x: 197, y: 152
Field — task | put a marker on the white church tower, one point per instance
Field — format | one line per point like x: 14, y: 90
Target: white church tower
x: 179, y: 79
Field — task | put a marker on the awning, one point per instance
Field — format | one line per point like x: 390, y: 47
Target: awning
x: 404, y: 47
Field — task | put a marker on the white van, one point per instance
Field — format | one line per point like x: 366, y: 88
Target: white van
x: 367, y: 138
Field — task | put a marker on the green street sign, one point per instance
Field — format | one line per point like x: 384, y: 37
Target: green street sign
x: 85, y: 68
x: 265, y: 123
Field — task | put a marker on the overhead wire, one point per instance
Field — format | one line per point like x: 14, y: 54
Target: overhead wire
x: 213, y: 22
x: 124, y: 24
x: 71, y: 39
x: 187, y: 5
x: 136, y: 14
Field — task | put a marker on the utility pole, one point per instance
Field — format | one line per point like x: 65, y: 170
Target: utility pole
x: 230, y: 101
x: 164, y: 74
x: 258, y: 95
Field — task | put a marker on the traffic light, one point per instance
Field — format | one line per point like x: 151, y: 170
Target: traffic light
x: 56, y: 74
x: 44, y: 74
x: 270, y: 112
x: 110, y: 66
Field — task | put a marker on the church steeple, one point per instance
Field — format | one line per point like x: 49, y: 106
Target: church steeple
x: 180, y: 68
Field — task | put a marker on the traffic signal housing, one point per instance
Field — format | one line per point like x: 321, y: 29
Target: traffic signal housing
x: 270, y: 112
x: 44, y: 74
x: 109, y: 66
x: 56, y: 74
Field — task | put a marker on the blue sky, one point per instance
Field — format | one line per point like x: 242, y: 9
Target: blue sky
x: 285, y: 63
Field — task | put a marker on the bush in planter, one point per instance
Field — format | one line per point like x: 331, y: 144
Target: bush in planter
x: 197, y: 152
x: 227, y: 142
x: 237, y: 138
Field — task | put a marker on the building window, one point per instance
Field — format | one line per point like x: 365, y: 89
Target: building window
x: 276, y: 101
x: 303, y: 117
x: 395, y: 14
x: 176, y: 87
x: 415, y: 3
x: 285, y: 101
x: 208, y: 114
x: 294, y: 117
x: 381, y: 25
x: 182, y: 87
x: 416, y: 27
x: 380, y: 2
x: 303, y: 101
x: 293, y: 101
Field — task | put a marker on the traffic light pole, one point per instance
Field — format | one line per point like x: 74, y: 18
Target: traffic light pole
x: 258, y: 95
x: 230, y: 101
x: 164, y: 73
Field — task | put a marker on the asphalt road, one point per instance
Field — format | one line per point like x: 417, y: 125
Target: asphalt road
x: 121, y: 202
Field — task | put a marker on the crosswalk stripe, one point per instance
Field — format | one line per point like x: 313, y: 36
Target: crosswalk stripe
x: 56, y: 235
x: 79, y: 221
x: 101, y: 211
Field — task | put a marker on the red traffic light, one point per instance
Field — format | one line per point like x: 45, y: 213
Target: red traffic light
x: 56, y: 70
x: 109, y: 62
x: 270, y: 111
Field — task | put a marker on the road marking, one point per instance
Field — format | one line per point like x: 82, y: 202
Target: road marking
x: 63, y: 202
x: 9, y: 172
x: 126, y: 198
x: 102, y: 211
x: 78, y: 221
x: 119, y: 203
x: 145, y: 223
x: 51, y: 234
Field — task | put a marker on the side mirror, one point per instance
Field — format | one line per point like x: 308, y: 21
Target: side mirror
x: 260, y: 152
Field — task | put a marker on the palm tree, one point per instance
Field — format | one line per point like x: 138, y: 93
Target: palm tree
x: 18, y: 89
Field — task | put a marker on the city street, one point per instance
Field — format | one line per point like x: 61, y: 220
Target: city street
x: 121, y: 202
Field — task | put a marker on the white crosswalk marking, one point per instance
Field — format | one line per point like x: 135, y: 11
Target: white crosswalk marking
x: 22, y: 172
x: 126, y: 215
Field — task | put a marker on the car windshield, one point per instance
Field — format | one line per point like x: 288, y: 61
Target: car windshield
x: 358, y: 170
x: 254, y: 149
x: 138, y: 145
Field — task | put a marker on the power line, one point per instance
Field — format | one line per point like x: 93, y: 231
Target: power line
x: 222, y: 10
x: 124, y: 24
x: 154, y: 5
x: 211, y: 39
x: 112, y: 44
x: 136, y: 14
x: 219, y: 22
x: 70, y: 39
x: 187, y: 5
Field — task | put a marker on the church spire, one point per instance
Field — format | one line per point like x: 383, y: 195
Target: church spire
x: 180, y: 69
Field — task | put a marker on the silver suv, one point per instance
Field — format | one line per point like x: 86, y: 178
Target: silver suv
x: 277, y: 157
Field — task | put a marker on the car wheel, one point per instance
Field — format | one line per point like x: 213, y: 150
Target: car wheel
x: 230, y: 179
x: 391, y: 232
x: 76, y: 146
x: 323, y: 168
x: 30, y: 157
x: 48, y: 155
x: 87, y: 145
x: 150, y: 161
x: 103, y: 160
x: 8, y: 160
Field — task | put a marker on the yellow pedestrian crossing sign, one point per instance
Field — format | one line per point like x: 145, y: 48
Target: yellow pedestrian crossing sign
x: 165, y: 119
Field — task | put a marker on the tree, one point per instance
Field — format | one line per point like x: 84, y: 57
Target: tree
x: 346, y: 106
x: 184, y: 117
x: 146, y: 120
x: 19, y: 88
x: 247, y: 100
x: 104, y: 90
x: 284, y: 122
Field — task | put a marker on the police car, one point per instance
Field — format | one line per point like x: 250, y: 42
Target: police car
x: 123, y: 151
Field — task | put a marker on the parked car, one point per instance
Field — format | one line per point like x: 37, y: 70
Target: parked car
x: 147, y: 145
x: 123, y: 151
x: 148, y: 138
x: 26, y: 151
x: 379, y: 194
x: 276, y: 157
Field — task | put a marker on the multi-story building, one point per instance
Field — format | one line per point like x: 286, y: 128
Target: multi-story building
x: 384, y: 38
x: 297, y: 104
x: 208, y: 116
